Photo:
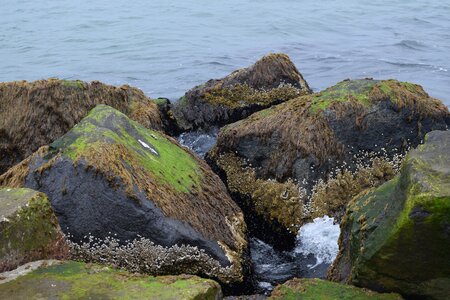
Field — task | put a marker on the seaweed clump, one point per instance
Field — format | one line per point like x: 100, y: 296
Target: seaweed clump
x: 50, y: 108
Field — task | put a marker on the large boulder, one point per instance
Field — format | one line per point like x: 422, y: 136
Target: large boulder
x: 34, y: 114
x: 110, y: 176
x: 313, y: 288
x: 273, y: 158
x: 29, y: 229
x: 271, y: 80
x: 75, y: 280
x: 396, y: 237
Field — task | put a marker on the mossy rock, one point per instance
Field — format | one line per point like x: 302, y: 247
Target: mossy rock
x: 36, y: 113
x: 395, y: 237
x: 111, y: 176
x: 271, y: 80
x: 29, y: 229
x: 301, y: 141
x: 75, y: 280
x: 315, y: 289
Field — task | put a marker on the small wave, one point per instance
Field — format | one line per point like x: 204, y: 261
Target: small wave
x: 418, y: 20
x: 320, y: 239
x: 411, y: 44
x: 406, y: 64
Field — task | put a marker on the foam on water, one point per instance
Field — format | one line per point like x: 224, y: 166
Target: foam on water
x: 319, y: 238
x: 316, y: 242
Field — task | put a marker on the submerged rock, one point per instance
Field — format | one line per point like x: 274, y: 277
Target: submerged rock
x: 29, y: 229
x: 307, y: 288
x: 75, y: 280
x: 110, y: 176
x: 396, y: 237
x: 271, y: 80
x: 272, y: 159
x: 36, y: 113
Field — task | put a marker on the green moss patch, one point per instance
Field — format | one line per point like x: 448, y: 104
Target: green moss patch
x: 73, y: 280
x: 28, y: 228
x: 368, y: 91
x: 315, y: 289
x: 396, y: 236
x: 167, y: 162
x: 357, y: 90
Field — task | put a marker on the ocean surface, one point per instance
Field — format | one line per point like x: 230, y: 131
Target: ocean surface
x: 167, y: 47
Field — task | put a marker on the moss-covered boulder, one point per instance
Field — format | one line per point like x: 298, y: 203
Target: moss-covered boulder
x: 34, y: 114
x: 75, y: 280
x: 313, y: 289
x: 396, y: 237
x: 271, y: 80
x: 266, y: 157
x: 110, y: 176
x: 29, y: 229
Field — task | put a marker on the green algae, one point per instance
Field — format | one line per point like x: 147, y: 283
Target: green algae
x: 160, y: 101
x: 346, y: 90
x: 77, y: 84
x: 315, y: 289
x: 362, y: 91
x: 74, y: 280
x: 163, y: 158
x: 396, y: 234
x: 29, y: 228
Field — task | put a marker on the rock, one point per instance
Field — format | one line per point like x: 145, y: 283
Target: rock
x: 313, y: 288
x: 272, y: 159
x: 169, y: 123
x: 29, y: 229
x: 110, y: 176
x: 271, y: 80
x: 75, y: 280
x: 396, y: 237
x: 36, y: 113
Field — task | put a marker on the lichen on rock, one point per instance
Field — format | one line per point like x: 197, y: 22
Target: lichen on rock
x: 29, y: 229
x: 271, y: 80
x: 50, y: 108
x: 111, y: 176
x: 395, y: 237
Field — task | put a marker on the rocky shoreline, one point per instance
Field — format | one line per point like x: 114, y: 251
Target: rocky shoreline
x: 92, y: 175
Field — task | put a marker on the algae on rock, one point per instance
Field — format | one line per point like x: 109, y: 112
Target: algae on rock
x: 36, y: 113
x: 305, y: 140
x: 271, y: 80
x: 110, y: 176
x: 75, y: 280
x: 29, y: 229
x: 313, y: 288
x: 395, y: 237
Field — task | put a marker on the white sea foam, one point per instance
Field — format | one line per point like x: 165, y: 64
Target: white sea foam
x: 319, y: 238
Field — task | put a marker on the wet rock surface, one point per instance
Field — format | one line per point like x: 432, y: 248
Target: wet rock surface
x: 272, y: 159
x: 111, y: 176
x: 29, y: 229
x: 271, y: 80
x: 321, y: 289
x: 75, y: 280
x: 395, y: 238
x: 34, y: 114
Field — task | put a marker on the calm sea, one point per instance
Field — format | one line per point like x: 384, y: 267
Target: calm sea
x: 167, y: 47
